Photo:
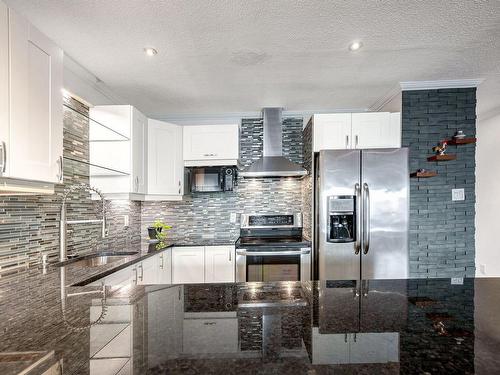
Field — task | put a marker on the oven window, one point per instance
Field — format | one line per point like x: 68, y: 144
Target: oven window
x: 273, y: 268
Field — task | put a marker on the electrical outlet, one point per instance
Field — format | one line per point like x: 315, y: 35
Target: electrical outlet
x: 232, y: 217
x: 457, y: 281
x: 457, y: 194
x: 126, y: 221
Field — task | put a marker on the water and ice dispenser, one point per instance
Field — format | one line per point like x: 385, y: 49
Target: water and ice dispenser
x: 341, y: 218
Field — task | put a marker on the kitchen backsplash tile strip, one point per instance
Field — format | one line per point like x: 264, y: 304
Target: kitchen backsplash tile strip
x: 207, y: 216
x: 441, y: 230
x: 29, y: 225
x: 307, y: 182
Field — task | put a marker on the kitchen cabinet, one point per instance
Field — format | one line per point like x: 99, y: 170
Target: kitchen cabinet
x: 188, y: 264
x: 31, y: 125
x: 165, y: 164
x: 117, y: 142
x: 375, y: 130
x: 341, y: 131
x: 332, y: 131
x: 219, y: 264
x: 211, y: 145
x: 148, y: 271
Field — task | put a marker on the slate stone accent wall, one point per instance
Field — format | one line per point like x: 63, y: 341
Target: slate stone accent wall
x: 29, y: 225
x: 207, y: 216
x: 441, y: 230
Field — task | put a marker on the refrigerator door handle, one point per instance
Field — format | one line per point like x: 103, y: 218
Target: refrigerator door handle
x: 357, y: 244
x: 366, y: 218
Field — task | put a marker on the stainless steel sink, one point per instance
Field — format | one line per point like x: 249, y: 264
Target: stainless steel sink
x: 97, y: 260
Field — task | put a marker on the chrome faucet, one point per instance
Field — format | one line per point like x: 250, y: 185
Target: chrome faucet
x: 63, y: 222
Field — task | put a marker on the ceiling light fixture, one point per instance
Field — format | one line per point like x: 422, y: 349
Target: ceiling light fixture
x: 150, y: 51
x: 354, y: 46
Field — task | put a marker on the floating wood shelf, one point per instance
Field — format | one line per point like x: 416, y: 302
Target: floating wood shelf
x: 445, y: 157
x: 461, y: 141
x: 426, y: 174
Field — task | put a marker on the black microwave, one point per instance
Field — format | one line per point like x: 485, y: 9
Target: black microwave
x: 210, y: 179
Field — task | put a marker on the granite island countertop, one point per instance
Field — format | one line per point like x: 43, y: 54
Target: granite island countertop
x: 417, y: 326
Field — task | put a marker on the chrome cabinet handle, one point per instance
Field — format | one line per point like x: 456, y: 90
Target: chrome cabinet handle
x: 161, y: 264
x: 357, y: 244
x: 60, y: 174
x: 136, y: 184
x: 229, y: 254
x: 366, y: 224
x: 179, y: 186
x: 209, y: 154
x: 347, y: 141
x: 141, y: 277
x: 135, y: 278
x: 210, y: 323
x: 179, y: 293
x: 356, y: 141
x: 4, y: 157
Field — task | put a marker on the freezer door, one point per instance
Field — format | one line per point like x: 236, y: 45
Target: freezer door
x: 339, y: 172
x: 385, y: 213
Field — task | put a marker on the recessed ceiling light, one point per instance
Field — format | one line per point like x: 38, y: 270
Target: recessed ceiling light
x: 354, y: 46
x: 150, y: 51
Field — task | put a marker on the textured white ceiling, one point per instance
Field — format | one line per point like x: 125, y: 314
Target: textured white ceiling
x: 220, y: 56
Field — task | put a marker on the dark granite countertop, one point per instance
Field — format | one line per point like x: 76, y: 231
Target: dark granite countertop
x: 418, y: 326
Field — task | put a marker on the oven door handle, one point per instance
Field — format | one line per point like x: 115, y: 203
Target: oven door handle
x: 273, y: 253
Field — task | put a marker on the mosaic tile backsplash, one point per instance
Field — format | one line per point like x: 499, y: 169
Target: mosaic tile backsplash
x: 207, y: 216
x: 29, y: 225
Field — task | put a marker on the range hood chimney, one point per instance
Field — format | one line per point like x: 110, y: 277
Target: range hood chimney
x: 273, y: 163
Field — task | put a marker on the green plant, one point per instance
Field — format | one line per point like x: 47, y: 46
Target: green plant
x: 161, y: 229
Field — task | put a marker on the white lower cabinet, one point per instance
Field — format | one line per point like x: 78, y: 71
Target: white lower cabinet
x: 147, y: 271
x: 219, y: 264
x: 188, y: 265
x: 165, y: 267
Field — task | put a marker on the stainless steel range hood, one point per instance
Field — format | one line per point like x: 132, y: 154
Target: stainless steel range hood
x: 273, y: 163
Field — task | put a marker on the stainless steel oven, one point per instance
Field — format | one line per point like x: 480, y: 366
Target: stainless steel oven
x: 271, y: 248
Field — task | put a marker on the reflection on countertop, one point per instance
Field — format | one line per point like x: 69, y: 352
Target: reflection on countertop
x: 374, y: 326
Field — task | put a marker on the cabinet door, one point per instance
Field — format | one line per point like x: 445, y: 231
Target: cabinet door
x: 165, y: 267
x: 188, y: 265
x: 219, y: 264
x: 139, y: 137
x: 36, y: 127
x: 374, y: 130
x: 165, y: 164
x: 332, y: 131
x: 148, y: 270
x: 211, y: 142
x: 4, y: 85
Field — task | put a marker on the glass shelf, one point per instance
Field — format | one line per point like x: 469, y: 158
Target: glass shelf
x: 98, y: 132
x: 88, y: 169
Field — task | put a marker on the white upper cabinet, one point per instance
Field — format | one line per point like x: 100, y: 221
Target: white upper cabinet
x: 219, y: 264
x: 332, y: 131
x: 165, y: 164
x: 340, y: 131
x: 206, y: 145
x: 117, y: 138
x: 375, y: 130
x: 31, y: 136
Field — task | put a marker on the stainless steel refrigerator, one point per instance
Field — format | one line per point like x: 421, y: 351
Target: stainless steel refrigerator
x: 361, y: 214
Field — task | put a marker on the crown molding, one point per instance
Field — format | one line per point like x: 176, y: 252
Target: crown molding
x: 235, y: 117
x: 383, y: 100
x: 440, y: 84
